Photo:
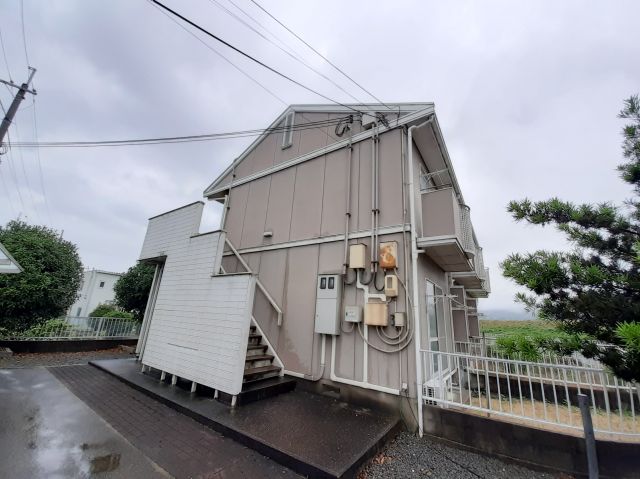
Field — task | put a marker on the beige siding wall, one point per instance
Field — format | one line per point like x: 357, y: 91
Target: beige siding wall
x: 307, y: 201
x: 269, y: 151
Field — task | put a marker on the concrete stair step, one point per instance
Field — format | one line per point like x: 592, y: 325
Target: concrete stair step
x: 260, y: 373
x: 256, y: 349
x: 259, y: 357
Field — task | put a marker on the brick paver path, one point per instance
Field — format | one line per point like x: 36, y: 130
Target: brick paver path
x: 178, y: 444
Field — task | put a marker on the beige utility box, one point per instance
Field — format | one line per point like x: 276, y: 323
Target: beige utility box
x: 357, y: 256
x: 388, y: 255
x: 376, y: 314
x: 391, y: 285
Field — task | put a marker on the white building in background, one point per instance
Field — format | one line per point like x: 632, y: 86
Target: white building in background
x: 7, y: 263
x: 97, y: 288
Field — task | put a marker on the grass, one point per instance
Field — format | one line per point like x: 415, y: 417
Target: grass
x: 559, y: 416
x: 532, y: 327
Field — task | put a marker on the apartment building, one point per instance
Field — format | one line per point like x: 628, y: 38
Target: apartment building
x: 345, y: 248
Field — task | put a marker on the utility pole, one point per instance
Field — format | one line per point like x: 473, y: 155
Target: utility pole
x: 11, y: 112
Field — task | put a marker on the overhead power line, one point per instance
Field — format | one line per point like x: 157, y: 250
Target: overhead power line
x: 293, y: 56
x: 24, y: 35
x: 320, y: 54
x: 230, y: 62
x: 257, y: 82
x: 236, y: 49
x: 175, y: 139
x: 41, y: 174
x: 4, y: 54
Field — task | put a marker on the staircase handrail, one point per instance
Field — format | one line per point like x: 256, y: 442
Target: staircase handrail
x: 258, y: 282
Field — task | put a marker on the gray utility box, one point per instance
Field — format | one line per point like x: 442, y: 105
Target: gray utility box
x: 328, y: 296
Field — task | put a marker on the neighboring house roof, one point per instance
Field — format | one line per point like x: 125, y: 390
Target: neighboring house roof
x: 398, y: 110
x: 103, y: 272
x: 7, y: 263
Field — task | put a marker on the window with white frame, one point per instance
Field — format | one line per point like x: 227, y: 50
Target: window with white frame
x: 102, y: 284
x: 287, y: 134
x: 432, y: 315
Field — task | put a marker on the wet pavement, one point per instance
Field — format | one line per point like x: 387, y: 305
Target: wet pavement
x: 46, y: 431
x: 181, y: 446
x: 312, y: 434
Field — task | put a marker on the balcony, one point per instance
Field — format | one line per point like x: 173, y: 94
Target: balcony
x: 447, y: 235
x: 476, y: 282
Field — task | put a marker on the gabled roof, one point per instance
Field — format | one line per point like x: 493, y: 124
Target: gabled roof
x: 396, y: 109
x: 7, y: 263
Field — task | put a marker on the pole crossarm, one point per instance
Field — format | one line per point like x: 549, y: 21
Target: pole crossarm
x: 13, y: 108
x: 33, y: 91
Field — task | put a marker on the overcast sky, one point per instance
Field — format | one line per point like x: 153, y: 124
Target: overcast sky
x: 526, y: 93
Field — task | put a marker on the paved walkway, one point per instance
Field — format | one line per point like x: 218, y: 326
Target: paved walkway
x: 181, y: 446
x: 47, y: 432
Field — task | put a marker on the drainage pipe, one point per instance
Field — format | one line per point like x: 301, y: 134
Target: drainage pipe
x: 351, y: 382
x: 347, y: 215
x: 414, y: 273
x: 373, y: 203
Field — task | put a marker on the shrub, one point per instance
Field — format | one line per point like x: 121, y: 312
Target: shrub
x: 102, y: 310
x: 46, y: 328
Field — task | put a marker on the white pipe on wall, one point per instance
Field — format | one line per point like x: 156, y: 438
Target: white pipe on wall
x: 351, y: 382
x: 347, y: 213
x: 414, y: 267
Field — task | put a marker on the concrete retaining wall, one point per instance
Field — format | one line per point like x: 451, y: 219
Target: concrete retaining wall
x: 531, y: 446
x: 64, y: 346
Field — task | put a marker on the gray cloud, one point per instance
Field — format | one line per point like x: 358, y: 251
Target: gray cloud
x: 526, y: 93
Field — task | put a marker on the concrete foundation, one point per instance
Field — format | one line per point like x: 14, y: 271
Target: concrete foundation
x: 531, y: 446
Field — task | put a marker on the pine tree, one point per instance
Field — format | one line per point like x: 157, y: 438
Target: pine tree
x: 592, y: 291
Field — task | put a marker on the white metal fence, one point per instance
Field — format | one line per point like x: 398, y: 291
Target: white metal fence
x: 488, y: 346
x: 543, y: 393
x: 81, y: 328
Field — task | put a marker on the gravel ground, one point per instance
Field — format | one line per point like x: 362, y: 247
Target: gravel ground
x: 409, y: 457
x: 30, y: 360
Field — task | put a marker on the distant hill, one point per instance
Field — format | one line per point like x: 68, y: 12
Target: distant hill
x: 505, y: 314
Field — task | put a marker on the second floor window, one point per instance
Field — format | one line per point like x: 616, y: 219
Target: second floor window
x: 287, y: 135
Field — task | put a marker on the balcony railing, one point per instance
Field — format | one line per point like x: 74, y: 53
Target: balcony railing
x: 446, y: 230
x: 476, y: 281
x: 468, y: 245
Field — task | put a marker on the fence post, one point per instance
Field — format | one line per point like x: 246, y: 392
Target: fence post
x: 589, y: 436
x: 99, y: 327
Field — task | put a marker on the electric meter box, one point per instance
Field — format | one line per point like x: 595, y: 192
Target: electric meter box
x: 388, y: 255
x: 357, y: 256
x: 328, y: 296
x: 391, y: 285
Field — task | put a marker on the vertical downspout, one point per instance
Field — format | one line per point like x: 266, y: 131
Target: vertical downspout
x: 377, y: 192
x: 405, y: 256
x: 373, y: 202
x: 414, y: 273
x: 347, y: 210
